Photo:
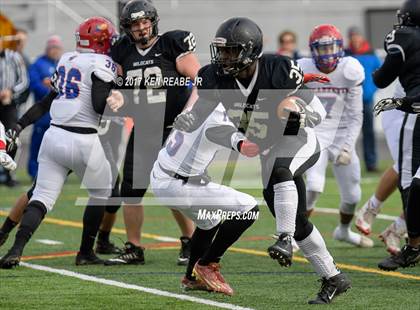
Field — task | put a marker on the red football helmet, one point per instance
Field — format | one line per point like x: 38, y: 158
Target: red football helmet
x: 326, y: 43
x: 95, y: 35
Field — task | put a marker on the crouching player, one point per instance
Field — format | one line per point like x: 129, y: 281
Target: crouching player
x: 180, y: 181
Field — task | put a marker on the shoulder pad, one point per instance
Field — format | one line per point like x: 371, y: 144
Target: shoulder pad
x: 353, y: 71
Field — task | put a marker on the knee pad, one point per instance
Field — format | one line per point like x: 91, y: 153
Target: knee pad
x: 280, y: 174
x: 311, y: 199
x: 38, y: 206
x: 303, y: 227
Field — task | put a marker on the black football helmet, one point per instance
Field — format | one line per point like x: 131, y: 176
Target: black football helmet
x: 409, y: 14
x: 135, y: 10
x: 237, y: 44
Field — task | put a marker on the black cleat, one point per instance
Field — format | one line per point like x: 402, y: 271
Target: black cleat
x: 107, y: 247
x: 408, y: 257
x: 132, y: 255
x: 88, y: 259
x: 331, y: 288
x: 282, y: 250
x: 185, y: 251
x: 11, y: 259
x: 3, y: 237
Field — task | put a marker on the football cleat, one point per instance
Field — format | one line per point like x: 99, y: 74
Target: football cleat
x: 346, y: 235
x: 107, y: 247
x: 282, y: 250
x: 88, y: 259
x: 408, y: 257
x: 365, y: 218
x: 210, y: 275
x: 331, y: 288
x: 132, y: 255
x: 11, y: 259
x: 3, y: 237
x: 392, y: 239
x: 193, y: 285
x: 185, y: 251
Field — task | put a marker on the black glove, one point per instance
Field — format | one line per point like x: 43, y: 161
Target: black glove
x: 187, y: 121
x: 12, y: 137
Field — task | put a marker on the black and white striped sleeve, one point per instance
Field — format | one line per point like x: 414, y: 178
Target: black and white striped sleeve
x: 21, y: 82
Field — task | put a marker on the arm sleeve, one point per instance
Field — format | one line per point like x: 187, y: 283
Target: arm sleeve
x: 22, y: 82
x: 100, y: 91
x: 37, y: 110
x: 388, y: 72
x: 354, y: 112
x: 318, y: 113
x: 220, y: 130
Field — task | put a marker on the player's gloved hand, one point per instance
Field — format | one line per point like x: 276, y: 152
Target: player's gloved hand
x: 315, y: 77
x: 344, y: 158
x: 186, y: 121
x: 6, y: 161
x: 387, y: 104
x: 12, y: 138
x: 248, y: 148
x: 115, y: 100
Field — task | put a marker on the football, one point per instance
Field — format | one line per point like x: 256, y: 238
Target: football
x: 288, y: 104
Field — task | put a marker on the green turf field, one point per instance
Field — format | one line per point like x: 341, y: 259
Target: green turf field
x: 259, y: 282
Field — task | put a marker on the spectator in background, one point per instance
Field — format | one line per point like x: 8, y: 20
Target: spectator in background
x: 360, y: 49
x: 22, y: 39
x: 40, y: 73
x: 13, y: 83
x: 287, y: 44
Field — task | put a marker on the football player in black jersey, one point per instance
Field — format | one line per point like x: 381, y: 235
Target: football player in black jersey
x: 403, y: 61
x: 154, y: 68
x: 251, y: 85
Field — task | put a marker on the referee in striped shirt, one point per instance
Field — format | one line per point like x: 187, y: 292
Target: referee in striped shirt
x: 13, y: 82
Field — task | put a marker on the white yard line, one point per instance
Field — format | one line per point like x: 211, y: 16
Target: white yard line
x: 153, y: 291
x: 336, y: 211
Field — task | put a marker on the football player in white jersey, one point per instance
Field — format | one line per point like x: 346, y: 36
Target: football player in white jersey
x: 337, y: 134
x: 179, y: 179
x: 392, y: 122
x: 82, y: 83
x: 6, y: 161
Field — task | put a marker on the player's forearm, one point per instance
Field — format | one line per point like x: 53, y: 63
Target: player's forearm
x: 388, y: 72
x: 226, y: 136
x: 408, y: 104
x: 100, y: 91
x: 37, y: 110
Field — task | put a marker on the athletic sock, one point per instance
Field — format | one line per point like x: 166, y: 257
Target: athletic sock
x: 8, y: 225
x: 32, y: 218
x: 314, y: 249
x: 92, y: 219
x: 228, y: 233
x: 375, y: 204
x: 103, y: 236
x: 200, y: 242
x: 285, y: 206
x: 344, y: 232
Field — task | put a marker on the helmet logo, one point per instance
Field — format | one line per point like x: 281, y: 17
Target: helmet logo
x: 219, y: 41
x: 137, y: 15
x: 101, y: 27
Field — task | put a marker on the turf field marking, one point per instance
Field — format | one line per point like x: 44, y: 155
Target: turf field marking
x: 50, y: 255
x: 48, y: 242
x: 239, y: 250
x: 342, y: 266
x: 81, y: 276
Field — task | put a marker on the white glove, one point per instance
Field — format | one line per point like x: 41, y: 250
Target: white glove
x: 115, y: 101
x: 344, y: 158
x: 6, y: 161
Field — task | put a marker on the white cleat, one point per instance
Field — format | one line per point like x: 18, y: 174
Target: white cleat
x: 365, y: 218
x: 346, y: 235
x: 392, y: 239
